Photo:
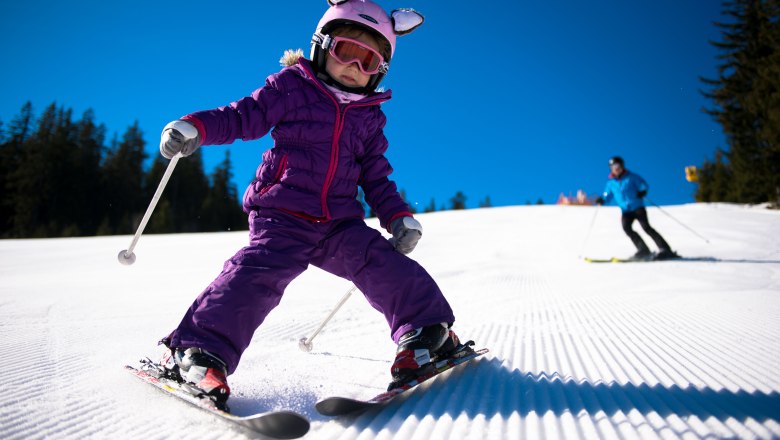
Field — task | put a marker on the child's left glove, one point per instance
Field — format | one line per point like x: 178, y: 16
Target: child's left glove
x: 406, y: 233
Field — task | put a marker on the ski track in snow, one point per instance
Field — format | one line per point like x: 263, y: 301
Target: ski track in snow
x: 679, y: 349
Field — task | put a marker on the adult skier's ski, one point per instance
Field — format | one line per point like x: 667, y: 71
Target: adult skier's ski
x: 602, y: 260
x: 277, y: 424
x: 339, y: 406
x: 648, y: 259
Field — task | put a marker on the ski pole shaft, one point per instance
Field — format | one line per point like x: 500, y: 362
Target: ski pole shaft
x: 590, y: 228
x: 678, y: 221
x: 305, y: 344
x: 127, y: 257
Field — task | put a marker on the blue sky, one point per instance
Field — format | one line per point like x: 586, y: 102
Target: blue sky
x: 515, y: 100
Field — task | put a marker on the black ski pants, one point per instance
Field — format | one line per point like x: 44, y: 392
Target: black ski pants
x: 641, y: 216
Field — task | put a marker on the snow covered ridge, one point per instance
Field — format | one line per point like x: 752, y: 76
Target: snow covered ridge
x: 676, y: 349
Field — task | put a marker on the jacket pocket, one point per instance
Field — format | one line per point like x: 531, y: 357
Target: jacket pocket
x: 280, y: 169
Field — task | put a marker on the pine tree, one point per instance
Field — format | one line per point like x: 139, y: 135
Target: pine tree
x: 746, y: 95
x: 458, y: 201
x: 11, y: 151
x: 123, y: 200
x: 23, y: 125
x: 85, y: 173
x: 714, y: 180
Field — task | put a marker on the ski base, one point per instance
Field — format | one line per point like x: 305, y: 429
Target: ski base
x: 339, y: 406
x: 276, y: 424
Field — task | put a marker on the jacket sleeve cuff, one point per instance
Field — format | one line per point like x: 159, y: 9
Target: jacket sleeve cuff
x: 395, y: 217
x: 199, y: 125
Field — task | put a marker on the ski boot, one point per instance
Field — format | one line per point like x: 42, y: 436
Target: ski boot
x: 666, y: 254
x: 419, y: 349
x: 200, y: 368
x: 641, y: 255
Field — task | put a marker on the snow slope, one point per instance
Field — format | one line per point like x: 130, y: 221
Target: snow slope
x: 683, y: 349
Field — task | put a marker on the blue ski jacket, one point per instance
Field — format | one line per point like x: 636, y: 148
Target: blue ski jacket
x: 623, y: 189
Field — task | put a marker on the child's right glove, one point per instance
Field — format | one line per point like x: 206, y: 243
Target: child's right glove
x: 406, y: 233
x: 179, y: 137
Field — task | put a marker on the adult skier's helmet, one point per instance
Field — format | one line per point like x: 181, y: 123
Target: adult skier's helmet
x: 616, y: 159
x: 370, y: 17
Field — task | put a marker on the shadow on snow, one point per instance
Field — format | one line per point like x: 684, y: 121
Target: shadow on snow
x: 487, y: 389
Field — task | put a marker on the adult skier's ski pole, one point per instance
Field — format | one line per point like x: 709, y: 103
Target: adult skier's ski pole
x: 678, y: 221
x: 305, y: 344
x: 127, y: 257
x: 590, y: 228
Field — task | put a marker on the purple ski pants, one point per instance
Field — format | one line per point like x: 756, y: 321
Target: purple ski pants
x: 224, y: 317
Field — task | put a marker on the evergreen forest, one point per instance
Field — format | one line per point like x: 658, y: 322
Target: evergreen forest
x: 61, y: 177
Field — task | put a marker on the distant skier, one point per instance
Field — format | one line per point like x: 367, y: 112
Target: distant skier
x: 325, y: 119
x: 628, y: 190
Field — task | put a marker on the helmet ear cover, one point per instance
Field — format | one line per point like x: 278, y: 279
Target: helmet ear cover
x: 406, y: 20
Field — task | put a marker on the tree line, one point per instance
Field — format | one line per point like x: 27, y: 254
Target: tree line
x: 746, y: 98
x: 60, y: 178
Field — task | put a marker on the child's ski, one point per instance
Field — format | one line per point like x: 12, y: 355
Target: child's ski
x: 339, y: 406
x: 277, y: 424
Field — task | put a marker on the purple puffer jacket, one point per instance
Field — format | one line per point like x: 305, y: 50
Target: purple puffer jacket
x: 322, y: 149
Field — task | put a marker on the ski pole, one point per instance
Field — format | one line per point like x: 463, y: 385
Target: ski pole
x: 305, y: 344
x: 590, y: 229
x: 127, y: 257
x: 678, y: 221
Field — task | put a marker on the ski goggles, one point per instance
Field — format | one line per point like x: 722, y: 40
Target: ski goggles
x: 348, y: 51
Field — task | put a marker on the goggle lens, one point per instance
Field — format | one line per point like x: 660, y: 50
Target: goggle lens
x: 347, y: 51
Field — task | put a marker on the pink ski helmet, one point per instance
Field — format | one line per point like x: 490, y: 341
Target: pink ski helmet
x: 366, y: 15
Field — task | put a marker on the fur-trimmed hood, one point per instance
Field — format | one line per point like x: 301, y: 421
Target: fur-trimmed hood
x: 291, y: 57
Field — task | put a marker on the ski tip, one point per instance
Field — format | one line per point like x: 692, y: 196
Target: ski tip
x: 338, y: 406
x: 278, y: 424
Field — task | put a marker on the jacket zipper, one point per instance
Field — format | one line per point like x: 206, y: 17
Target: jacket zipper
x: 334, y: 147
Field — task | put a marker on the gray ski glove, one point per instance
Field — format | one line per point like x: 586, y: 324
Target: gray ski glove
x: 406, y: 233
x: 179, y: 137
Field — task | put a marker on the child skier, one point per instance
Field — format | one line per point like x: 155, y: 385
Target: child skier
x: 325, y: 118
